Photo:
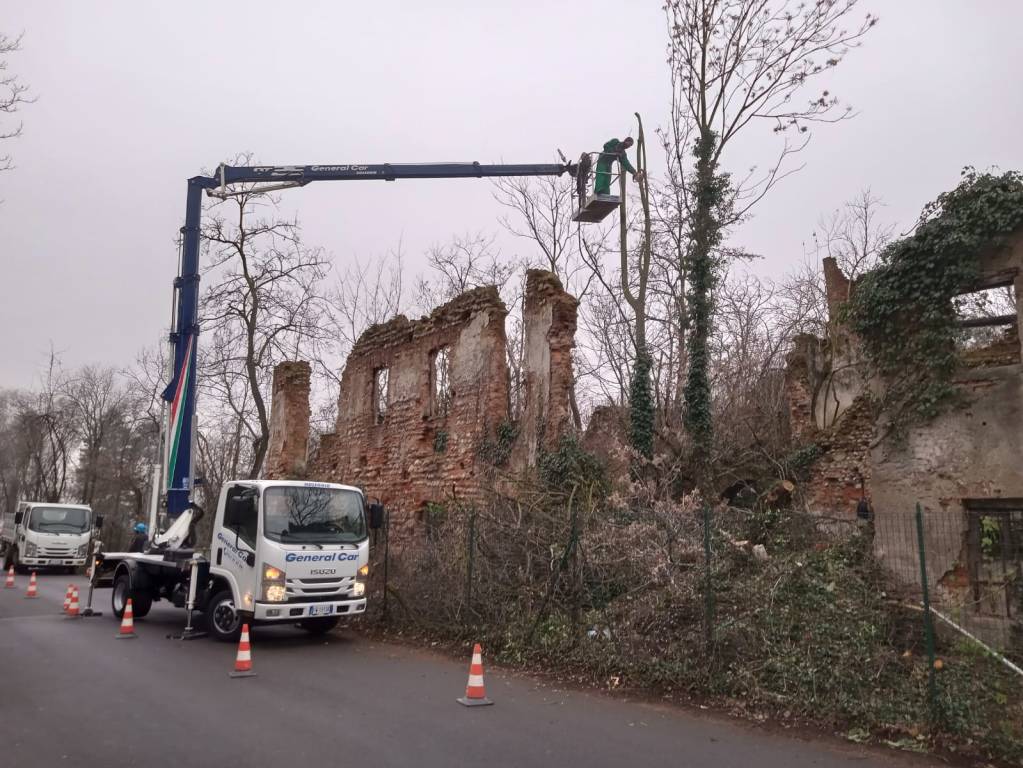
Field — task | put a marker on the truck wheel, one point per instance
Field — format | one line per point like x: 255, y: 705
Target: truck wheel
x: 320, y: 626
x: 141, y: 602
x: 222, y: 619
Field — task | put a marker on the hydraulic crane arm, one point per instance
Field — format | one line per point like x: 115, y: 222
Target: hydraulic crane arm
x: 179, y: 458
x: 303, y: 174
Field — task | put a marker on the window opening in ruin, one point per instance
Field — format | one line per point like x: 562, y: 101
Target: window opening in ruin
x: 995, y: 555
x: 988, y: 326
x: 440, y: 380
x: 381, y: 379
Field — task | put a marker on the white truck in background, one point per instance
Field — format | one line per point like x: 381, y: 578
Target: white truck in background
x: 281, y: 552
x: 39, y: 535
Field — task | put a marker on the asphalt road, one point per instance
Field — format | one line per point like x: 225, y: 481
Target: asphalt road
x: 73, y: 695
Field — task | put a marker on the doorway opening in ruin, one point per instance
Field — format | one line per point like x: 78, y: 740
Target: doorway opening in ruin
x: 440, y: 381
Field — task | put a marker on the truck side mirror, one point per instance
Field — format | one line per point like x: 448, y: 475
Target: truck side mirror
x: 18, y: 517
x: 241, y: 512
x: 99, y: 522
x: 376, y: 515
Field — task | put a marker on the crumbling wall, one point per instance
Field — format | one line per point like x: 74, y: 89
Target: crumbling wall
x: 549, y: 324
x: 420, y: 449
x: 425, y: 440
x: 288, y: 447
x: 970, y: 452
x: 843, y: 474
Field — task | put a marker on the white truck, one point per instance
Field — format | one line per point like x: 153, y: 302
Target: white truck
x: 39, y: 535
x: 281, y: 552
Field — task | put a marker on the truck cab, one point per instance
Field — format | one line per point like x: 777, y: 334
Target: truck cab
x: 40, y: 535
x: 280, y: 552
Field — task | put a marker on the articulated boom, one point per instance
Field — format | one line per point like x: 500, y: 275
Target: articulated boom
x: 179, y: 474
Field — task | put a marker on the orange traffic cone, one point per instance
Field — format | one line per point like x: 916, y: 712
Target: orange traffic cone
x: 67, y: 597
x: 243, y: 661
x: 127, y: 623
x: 72, y: 606
x: 33, y: 590
x: 475, y: 695
x: 9, y: 584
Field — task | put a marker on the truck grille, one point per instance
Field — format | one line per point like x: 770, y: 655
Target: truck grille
x: 56, y: 550
x: 318, y: 590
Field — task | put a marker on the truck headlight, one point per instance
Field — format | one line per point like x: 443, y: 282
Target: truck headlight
x: 274, y: 588
x: 30, y: 549
x: 361, y: 576
x: 82, y: 550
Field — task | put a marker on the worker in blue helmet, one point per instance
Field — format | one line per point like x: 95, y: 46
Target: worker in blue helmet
x: 139, y: 539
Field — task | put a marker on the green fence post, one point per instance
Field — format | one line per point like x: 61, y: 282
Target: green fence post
x: 708, y: 584
x: 932, y: 692
x: 471, y: 561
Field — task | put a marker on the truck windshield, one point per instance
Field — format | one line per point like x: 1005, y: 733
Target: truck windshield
x: 304, y: 515
x: 59, y: 520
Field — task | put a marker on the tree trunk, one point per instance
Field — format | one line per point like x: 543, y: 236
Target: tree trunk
x: 706, y: 236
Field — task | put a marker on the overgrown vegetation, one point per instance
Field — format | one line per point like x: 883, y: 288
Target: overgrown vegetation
x: 904, y: 311
x: 569, y: 578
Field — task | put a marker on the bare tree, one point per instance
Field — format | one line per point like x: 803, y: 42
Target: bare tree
x: 735, y: 62
x: 47, y: 431
x: 98, y: 400
x: 853, y: 235
x: 367, y: 293
x: 13, y: 94
x: 468, y: 261
x: 263, y: 306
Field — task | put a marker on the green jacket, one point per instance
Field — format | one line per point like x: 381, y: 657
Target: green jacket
x: 613, y: 150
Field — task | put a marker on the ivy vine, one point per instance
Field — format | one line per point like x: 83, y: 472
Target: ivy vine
x: 641, y: 402
x: 904, y: 311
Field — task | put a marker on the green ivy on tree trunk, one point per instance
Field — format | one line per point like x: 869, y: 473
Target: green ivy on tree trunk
x: 642, y: 405
x: 709, y: 195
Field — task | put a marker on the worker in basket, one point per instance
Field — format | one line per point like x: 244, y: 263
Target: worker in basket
x: 614, y: 150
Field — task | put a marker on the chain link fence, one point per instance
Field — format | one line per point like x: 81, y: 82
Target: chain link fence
x: 964, y: 563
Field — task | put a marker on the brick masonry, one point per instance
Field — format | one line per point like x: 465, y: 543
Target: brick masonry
x: 288, y: 449
x: 427, y: 443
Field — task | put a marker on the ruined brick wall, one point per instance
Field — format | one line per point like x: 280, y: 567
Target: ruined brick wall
x: 549, y: 324
x: 843, y: 472
x: 970, y: 452
x: 800, y: 387
x: 288, y: 447
x: 423, y: 448
x: 607, y: 437
x: 418, y: 450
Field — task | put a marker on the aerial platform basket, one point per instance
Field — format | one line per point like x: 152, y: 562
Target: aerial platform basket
x: 596, y: 208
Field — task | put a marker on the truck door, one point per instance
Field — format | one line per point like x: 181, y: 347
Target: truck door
x: 235, y: 549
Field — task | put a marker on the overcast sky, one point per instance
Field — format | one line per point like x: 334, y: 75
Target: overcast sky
x: 135, y: 97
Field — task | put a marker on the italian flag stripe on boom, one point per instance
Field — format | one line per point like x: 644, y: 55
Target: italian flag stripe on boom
x: 177, y: 412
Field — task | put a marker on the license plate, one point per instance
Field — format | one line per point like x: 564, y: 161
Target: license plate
x: 321, y: 610
x: 55, y: 562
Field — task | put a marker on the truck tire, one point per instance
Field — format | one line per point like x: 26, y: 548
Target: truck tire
x: 319, y: 626
x: 141, y: 601
x: 223, y: 621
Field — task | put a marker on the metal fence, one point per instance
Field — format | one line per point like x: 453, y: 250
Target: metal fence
x: 963, y: 566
